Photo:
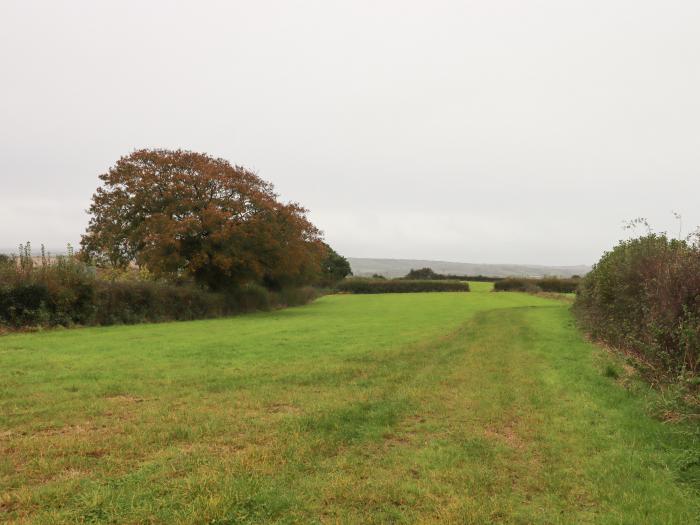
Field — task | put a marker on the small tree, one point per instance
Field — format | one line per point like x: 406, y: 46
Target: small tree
x: 334, y: 267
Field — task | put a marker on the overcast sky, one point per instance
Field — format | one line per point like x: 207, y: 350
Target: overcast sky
x: 476, y: 131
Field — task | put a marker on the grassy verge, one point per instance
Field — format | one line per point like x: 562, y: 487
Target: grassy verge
x: 442, y: 408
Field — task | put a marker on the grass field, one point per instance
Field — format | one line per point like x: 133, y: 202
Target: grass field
x: 433, y: 408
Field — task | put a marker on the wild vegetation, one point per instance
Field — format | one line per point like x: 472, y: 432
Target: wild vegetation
x: 644, y: 296
x: 381, y: 285
x: 64, y: 291
x: 394, y: 408
x: 173, y: 235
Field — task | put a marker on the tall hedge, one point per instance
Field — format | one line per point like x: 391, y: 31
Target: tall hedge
x: 644, y: 295
x: 66, y: 292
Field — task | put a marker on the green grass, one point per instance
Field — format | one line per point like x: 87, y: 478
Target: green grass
x: 478, y: 286
x: 438, y: 408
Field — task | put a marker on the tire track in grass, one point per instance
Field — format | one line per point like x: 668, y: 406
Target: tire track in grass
x: 426, y: 428
x: 493, y: 424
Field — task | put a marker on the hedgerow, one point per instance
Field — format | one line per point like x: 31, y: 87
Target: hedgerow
x: 644, y: 296
x: 544, y: 284
x: 62, y: 291
x: 368, y: 286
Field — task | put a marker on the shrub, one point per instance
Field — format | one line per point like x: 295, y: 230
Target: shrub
x: 59, y: 290
x: 250, y: 297
x: 644, y: 296
x: 297, y: 296
x: 129, y: 302
x: 365, y: 286
x: 24, y: 304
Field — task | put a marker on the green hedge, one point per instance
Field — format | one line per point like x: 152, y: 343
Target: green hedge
x: 644, y: 296
x: 366, y: 286
x: 129, y: 302
x: 67, y: 292
x: 545, y: 284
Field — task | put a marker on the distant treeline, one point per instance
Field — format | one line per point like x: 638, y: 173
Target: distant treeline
x: 430, y: 274
x: 544, y: 284
x: 370, y: 286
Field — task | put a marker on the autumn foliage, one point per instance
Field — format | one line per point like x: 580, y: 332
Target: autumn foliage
x: 182, y: 214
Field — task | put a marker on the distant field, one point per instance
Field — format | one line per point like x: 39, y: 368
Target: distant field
x: 480, y: 287
x: 400, y: 267
x: 401, y: 408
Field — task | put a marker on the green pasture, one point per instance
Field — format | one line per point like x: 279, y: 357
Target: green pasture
x: 401, y: 408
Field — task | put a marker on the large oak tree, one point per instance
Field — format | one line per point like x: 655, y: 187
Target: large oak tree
x: 180, y: 213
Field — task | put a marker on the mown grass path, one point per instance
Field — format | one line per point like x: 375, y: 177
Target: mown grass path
x: 406, y: 408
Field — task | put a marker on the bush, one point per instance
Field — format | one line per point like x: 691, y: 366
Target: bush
x: 644, y: 296
x: 129, y: 302
x: 250, y: 297
x: 359, y: 285
x: 24, y: 304
x: 60, y: 290
x: 297, y: 296
x: 545, y: 284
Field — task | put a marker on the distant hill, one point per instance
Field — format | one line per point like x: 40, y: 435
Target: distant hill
x: 400, y: 267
